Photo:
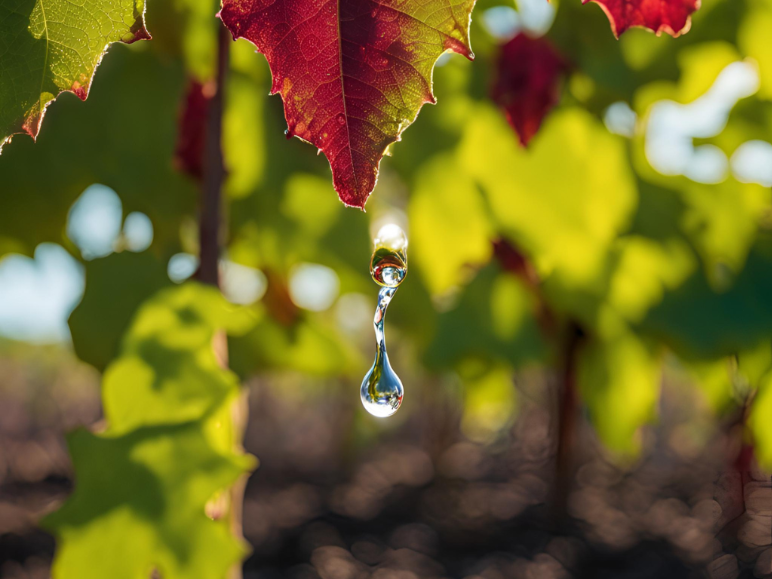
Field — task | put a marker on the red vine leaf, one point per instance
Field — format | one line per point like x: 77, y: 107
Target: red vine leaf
x: 353, y: 74
x: 672, y: 17
x: 527, y: 84
x: 191, y: 134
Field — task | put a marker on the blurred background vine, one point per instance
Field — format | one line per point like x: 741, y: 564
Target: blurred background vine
x: 584, y: 335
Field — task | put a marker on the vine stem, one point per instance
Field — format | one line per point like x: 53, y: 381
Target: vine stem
x: 210, y: 205
x: 211, y: 237
x: 515, y: 262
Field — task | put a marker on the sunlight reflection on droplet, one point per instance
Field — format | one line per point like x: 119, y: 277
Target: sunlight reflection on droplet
x: 94, y: 221
x: 313, y: 287
x: 137, y: 231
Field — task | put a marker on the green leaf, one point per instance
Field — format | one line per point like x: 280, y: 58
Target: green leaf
x: 619, y: 381
x: 52, y: 46
x: 115, y: 287
x: 701, y: 322
x: 451, y: 232
x: 722, y: 223
x: 753, y: 39
x: 760, y: 424
x: 143, y: 484
x: 123, y: 137
x: 307, y: 346
x: 139, y: 504
x: 494, y: 320
x: 714, y: 379
x: 490, y: 400
x: 167, y: 372
x: 556, y: 201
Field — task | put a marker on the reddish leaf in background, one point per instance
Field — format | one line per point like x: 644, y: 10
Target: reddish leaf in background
x: 191, y: 134
x: 669, y: 16
x: 528, y: 83
x: 353, y: 74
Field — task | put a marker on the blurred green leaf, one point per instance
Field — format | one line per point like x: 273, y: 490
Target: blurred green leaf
x: 493, y: 320
x: 449, y: 226
x: 123, y: 137
x: 753, y: 40
x: 116, y: 285
x: 490, y: 400
x: 562, y: 201
x: 619, y: 381
x: 702, y: 322
x: 167, y: 372
x: 139, y: 505
x: 760, y: 424
x: 143, y: 484
x: 714, y: 379
x: 754, y: 363
x: 309, y: 346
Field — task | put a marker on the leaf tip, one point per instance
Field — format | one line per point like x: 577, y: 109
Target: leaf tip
x: 672, y: 17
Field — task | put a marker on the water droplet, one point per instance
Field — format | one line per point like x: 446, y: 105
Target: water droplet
x: 341, y: 120
x: 382, y: 390
x: 388, y: 265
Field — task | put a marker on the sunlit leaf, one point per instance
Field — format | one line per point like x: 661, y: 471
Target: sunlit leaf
x: 669, y: 16
x: 168, y: 449
x: 753, y: 39
x: 139, y: 503
x: 308, y: 346
x: 760, y: 424
x: 450, y: 231
x: 490, y: 400
x: 167, y: 372
x: 713, y: 378
x: 99, y: 142
x: 619, y: 382
x: 353, y: 75
x: 52, y: 46
x: 563, y: 220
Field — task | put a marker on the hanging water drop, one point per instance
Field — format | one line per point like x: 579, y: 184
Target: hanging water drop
x: 388, y: 265
x: 382, y: 390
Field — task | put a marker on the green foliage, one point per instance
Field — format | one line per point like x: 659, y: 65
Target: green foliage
x: 116, y: 285
x: 452, y: 229
x: 123, y: 136
x: 50, y: 46
x: 166, y: 452
x: 619, y: 381
x: 493, y: 321
x: 667, y: 278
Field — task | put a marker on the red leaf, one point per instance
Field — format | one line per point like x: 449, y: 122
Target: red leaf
x: 353, y: 74
x: 528, y: 83
x: 189, y: 152
x: 669, y: 16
